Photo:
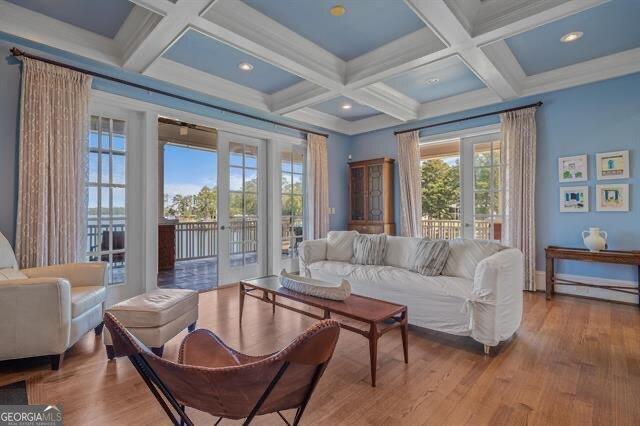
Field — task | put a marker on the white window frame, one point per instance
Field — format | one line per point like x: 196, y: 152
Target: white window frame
x: 467, y: 139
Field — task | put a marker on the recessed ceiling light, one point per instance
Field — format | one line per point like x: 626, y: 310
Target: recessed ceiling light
x: 433, y: 80
x: 245, y: 66
x: 346, y: 106
x: 337, y: 10
x: 573, y: 36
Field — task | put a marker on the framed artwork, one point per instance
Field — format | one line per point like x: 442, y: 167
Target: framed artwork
x: 572, y: 169
x: 612, y: 197
x: 574, y: 199
x: 612, y: 165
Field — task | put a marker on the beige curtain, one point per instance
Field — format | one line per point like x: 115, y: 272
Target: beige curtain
x: 519, y: 157
x: 317, y: 186
x: 53, y: 131
x: 410, y: 185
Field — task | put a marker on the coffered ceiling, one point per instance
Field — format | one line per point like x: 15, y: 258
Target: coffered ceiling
x: 381, y: 63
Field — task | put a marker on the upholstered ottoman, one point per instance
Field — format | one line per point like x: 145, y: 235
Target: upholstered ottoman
x: 156, y: 317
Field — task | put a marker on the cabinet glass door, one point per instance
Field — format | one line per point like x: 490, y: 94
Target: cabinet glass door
x: 358, y: 193
x: 375, y: 200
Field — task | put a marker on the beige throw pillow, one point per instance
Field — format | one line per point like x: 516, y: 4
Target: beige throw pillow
x: 430, y: 257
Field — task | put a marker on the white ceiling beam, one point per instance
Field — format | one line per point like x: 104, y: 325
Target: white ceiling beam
x: 298, y: 96
x: 159, y: 37
x: 408, y: 52
x: 40, y: 28
x: 321, y: 119
x: 444, y: 22
x: 200, y: 81
x: 533, y: 20
x: 235, y: 23
x: 385, y: 99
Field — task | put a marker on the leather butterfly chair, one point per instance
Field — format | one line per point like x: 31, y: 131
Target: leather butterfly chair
x: 212, y: 377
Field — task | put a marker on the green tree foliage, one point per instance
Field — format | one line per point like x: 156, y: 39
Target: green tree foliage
x: 440, y: 189
x: 202, y: 206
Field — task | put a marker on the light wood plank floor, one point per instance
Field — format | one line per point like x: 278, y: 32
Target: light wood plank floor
x: 573, y: 362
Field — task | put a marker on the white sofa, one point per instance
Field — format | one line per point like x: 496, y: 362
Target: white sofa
x: 43, y: 311
x: 479, y: 293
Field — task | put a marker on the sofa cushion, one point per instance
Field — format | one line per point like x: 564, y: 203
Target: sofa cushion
x: 465, y: 254
x: 430, y: 257
x: 400, y: 251
x: 369, y: 249
x: 155, y: 308
x: 84, y: 298
x: 340, y: 245
x: 11, y: 274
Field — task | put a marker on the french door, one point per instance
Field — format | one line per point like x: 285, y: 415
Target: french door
x: 242, y: 207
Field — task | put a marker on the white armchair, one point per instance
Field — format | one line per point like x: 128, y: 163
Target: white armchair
x: 44, y: 311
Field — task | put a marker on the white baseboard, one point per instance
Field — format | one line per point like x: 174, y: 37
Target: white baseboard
x: 596, y: 293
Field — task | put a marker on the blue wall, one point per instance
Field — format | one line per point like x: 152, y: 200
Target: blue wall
x: 9, y: 115
x: 599, y: 117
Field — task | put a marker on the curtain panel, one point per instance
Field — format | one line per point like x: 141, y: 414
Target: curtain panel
x: 317, y: 186
x: 410, y: 184
x: 51, y: 169
x: 519, y: 157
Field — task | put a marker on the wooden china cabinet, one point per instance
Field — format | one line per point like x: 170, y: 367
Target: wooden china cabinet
x: 371, y: 196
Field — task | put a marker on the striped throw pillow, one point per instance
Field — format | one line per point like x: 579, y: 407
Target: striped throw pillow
x: 369, y: 249
x: 430, y: 257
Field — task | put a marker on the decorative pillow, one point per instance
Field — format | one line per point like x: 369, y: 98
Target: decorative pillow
x: 369, y: 249
x: 430, y: 257
x: 400, y: 251
x: 465, y: 254
x: 315, y: 288
x: 340, y: 245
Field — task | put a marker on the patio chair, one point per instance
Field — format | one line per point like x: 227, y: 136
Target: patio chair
x: 212, y: 377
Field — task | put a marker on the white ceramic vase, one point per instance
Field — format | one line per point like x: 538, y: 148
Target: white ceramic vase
x: 595, y: 239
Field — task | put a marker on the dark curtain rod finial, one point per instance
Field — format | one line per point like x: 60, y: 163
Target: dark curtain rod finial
x: 458, y: 120
x: 17, y: 52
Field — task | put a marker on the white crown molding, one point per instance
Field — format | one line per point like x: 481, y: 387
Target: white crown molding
x: 235, y: 23
x: 517, y: 13
x: 385, y: 99
x: 598, y: 69
x: 501, y: 56
x: 456, y: 134
x: 135, y: 29
x: 298, y: 96
x: 377, y: 122
x: 40, y: 28
x: 200, y: 81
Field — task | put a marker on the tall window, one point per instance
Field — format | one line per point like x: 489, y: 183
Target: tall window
x: 243, y: 203
x: 488, y: 194
x: 292, y: 178
x: 106, y: 195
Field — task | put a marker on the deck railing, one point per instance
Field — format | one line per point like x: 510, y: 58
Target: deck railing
x: 445, y: 229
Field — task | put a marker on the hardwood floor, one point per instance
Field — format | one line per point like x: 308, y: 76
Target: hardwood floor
x: 573, y: 362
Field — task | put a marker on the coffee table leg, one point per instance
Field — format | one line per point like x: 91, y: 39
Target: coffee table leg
x: 404, y: 329
x: 373, y: 351
x: 273, y: 306
x: 241, y: 300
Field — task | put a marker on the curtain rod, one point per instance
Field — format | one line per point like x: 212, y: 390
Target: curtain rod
x: 537, y: 104
x: 17, y: 52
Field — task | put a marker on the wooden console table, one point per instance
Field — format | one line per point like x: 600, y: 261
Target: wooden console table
x: 621, y: 257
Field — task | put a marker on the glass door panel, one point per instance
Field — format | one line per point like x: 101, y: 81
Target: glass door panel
x: 242, y: 207
x: 357, y: 193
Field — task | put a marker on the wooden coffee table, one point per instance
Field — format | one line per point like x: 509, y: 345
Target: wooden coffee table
x: 378, y: 315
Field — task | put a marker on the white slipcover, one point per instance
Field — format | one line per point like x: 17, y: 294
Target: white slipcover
x: 487, y: 307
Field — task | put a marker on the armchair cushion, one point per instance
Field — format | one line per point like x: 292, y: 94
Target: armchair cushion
x: 78, y: 274
x: 86, y: 297
x: 11, y: 274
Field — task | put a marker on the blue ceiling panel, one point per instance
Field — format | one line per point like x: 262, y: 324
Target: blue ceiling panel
x: 98, y: 16
x: 454, y: 77
x: 365, y: 26
x: 334, y: 107
x: 610, y: 28
x: 206, y: 54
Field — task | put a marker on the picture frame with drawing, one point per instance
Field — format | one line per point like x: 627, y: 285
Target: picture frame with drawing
x: 612, y: 197
x: 612, y: 165
x: 573, y: 169
x: 574, y: 199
